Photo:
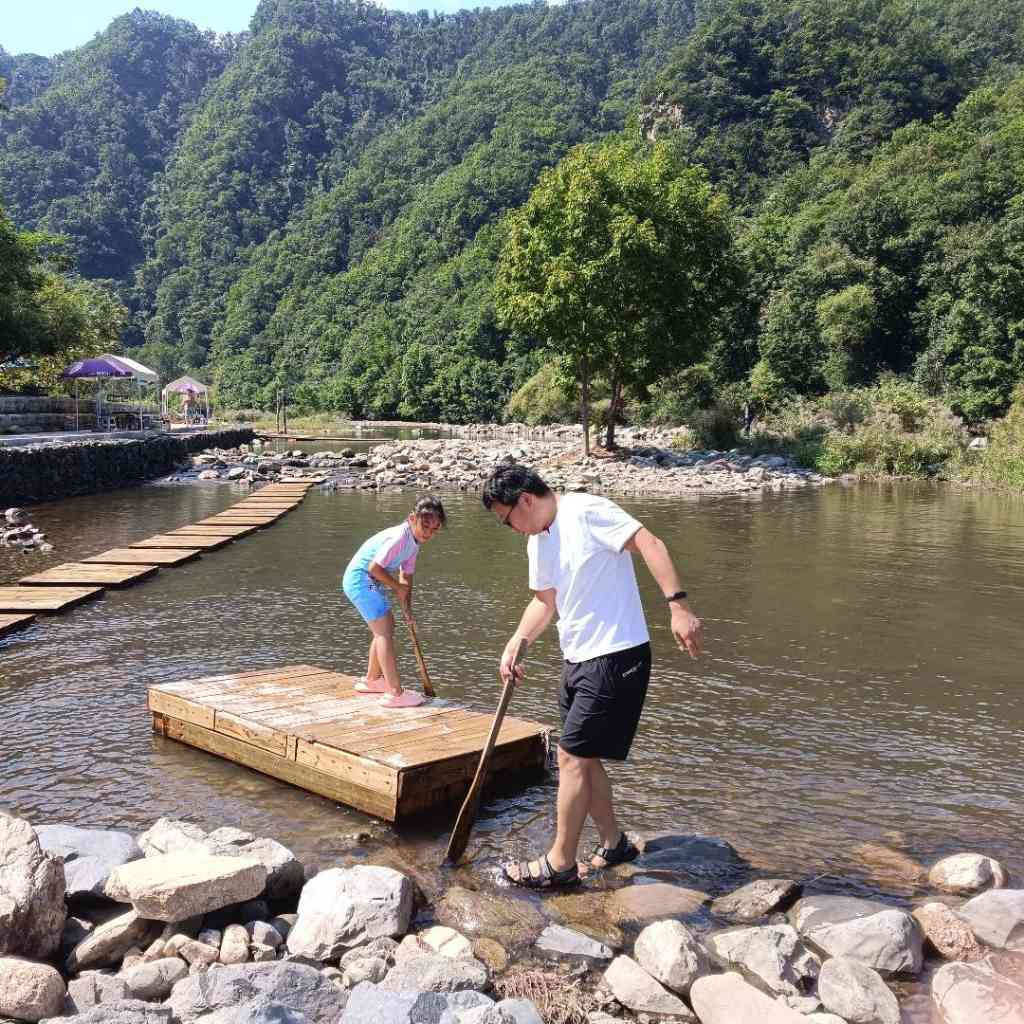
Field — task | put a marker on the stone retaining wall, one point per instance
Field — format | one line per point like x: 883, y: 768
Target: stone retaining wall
x: 24, y: 415
x: 48, y: 472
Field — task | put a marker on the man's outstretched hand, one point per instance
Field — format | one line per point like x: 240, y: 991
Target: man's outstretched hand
x: 508, y: 658
x: 688, y: 631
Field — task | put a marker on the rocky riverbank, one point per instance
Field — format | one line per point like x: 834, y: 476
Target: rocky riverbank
x: 178, y: 926
x: 643, y: 465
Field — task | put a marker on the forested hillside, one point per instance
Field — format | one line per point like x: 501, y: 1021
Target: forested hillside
x: 320, y: 203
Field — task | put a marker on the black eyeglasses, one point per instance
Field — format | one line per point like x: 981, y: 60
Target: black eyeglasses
x: 508, y: 514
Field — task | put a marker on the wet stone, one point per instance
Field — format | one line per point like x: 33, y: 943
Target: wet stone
x: 757, y: 899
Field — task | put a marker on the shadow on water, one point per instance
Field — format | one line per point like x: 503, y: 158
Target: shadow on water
x: 861, y: 683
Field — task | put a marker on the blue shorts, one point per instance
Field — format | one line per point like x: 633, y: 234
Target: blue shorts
x: 363, y: 592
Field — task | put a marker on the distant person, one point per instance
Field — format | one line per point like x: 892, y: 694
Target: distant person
x: 580, y: 551
x: 385, y: 562
x: 748, y: 417
x: 186, y: 407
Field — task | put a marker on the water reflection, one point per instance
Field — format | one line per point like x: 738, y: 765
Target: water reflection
x: 862, y: 680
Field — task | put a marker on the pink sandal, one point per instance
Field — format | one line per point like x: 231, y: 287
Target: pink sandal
x: 405, y: 699
x: 365, y: 685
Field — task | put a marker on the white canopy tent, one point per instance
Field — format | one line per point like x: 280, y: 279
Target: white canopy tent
x: 188, y: 387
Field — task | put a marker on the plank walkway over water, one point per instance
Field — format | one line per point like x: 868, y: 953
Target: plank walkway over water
x: 9, y: 623
x: 136, y: 556
x: 308, y: 726
x: 89, y: 574
x: 44, y: 599
x: 218, y: 529
x: 169, y: 540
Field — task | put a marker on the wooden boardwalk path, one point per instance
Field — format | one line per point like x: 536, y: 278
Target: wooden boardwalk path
x: 308, y: 726
x: 64, y: 586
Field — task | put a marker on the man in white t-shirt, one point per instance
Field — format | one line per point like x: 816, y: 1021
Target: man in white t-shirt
x: 581, y: 567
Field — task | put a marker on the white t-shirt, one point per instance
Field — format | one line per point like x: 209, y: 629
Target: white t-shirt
x: 581, y: 557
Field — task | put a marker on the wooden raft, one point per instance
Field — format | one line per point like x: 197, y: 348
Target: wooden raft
x: 308, y: 726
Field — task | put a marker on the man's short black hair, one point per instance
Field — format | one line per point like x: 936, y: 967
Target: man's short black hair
x: 511, y: 480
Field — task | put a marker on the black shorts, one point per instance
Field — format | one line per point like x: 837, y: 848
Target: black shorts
x: 600, y: 702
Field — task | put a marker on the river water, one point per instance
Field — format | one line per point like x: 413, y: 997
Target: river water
x: 862, y: 681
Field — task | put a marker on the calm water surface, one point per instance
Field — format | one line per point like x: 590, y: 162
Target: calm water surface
x: 862, y: 680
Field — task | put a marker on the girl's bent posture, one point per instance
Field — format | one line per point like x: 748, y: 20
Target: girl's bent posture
x: 385, y: 562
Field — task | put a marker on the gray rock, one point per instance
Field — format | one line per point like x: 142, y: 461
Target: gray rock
x: 153, y: 981
x: 566, y: 942
x: 372, y: 1004
x: 997, y: 917
x: 285, y: 872
x: 757, y: 899
x: 967, y: 873
x: 234, y: 946
x: 434, y: 972
x: 991, y: 992
x: 877, y: 935
x: 508, y: 1011
x: 856, y: 993
x: 266, y: 934
x: 383, y: 947
x: 728, y: 999
x: 296, y: 986
x: 179, y: 885
x: 89, y: 855
x: 32, y: 909
x: 672, y: 954
x: 92, y: 988
x: 283, y: 924
x: 371, y: 968
x: 345, y: 907
x: 127, y: 1011
x: 261, y: 954
x: 29, y: 991
x: 637, y: 990
x: 196, y: 952
x: 210, y: 937
x: 823, y: 1018
x: 512, y: 922
x: 771, y: 957
x: 107, y: 943
x: 257, y: 1013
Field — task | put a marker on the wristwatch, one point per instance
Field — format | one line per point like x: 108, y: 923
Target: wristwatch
x: 679, y: 595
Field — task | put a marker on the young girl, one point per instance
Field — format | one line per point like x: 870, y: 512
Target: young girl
x: 386, y: 562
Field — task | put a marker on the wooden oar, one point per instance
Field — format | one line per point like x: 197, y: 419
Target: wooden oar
x: 428, y: 686
x: 464, y: 824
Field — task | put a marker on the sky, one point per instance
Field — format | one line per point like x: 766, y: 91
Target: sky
x: 47, y: 27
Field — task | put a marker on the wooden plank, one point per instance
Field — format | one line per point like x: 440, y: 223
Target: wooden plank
x: 252, y: 732
x: 213, y: 530
x: 246, y: 513
x: 134, y: 556
x: 230, y: 679
x: 45, y: 599
x: 399, y: 733
x: 343, y: 765
x: 86, y: 574
x: 168, y: 540
x: 10, y: 623
x: 374, y: 721
x: 427, y: 753
x: 470, y: 731
x: 259, y: 522
x: 425, y: 788
x: 178, y: 707
x: 382, y: 805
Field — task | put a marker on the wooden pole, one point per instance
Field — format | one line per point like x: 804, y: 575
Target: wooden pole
x: 464, y: 824
x: 428, y: 686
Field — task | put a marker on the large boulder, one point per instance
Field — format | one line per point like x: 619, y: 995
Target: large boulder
x: 997, y: 917
x: 946, y: 933
x: 128, y: 1011
x: 991, y: 991
x: 107, y: 943
x: 638, y: 991
x: 372, y: 1003
x: 771, y: 957
x: 257, y: 1013
x: 154, y: 980
x: 757, y: 899
x: 642, y: 903
x: 344, y: 907
x: 89, y: 855
x: 967, y: 873
x: 285, y: 873
x: 32, y: 908
x: 728, y: 999
x: 434, y: 972
x: 508, y: 920
x: 856, y: 993
x: 29, y: 991
x: 297, y: 986
x: 91, y: 988
x: 879, y: 936
x: 175, y: 886
x: 699, y: 858
x: 672, y: 954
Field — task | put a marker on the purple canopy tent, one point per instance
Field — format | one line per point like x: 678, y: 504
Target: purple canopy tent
x: 97, y: 368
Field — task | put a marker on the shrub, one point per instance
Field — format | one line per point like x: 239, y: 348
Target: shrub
x: 1002, y: 462
x: 544, y: 398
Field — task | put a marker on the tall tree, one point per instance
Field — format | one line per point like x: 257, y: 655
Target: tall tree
x: 620, y: 262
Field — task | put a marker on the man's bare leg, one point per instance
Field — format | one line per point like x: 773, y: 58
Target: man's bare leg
x: 575, y: 792
x: 602, y: 812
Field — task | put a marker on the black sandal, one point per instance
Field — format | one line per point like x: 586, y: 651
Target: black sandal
x: 621, y: 853
x: 548, y: 878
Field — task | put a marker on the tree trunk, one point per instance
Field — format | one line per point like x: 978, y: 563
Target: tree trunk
x: 585, y: 405
x: 613, y: 412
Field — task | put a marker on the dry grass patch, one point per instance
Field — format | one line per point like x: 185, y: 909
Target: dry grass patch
x: 559, y: 999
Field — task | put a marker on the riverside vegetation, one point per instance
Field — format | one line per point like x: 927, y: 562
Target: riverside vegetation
x: 326, y: 202
x: 179, y: 925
